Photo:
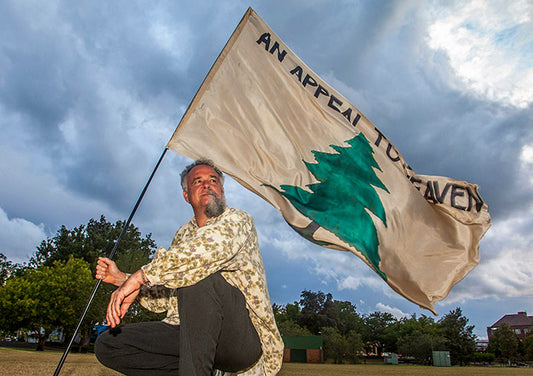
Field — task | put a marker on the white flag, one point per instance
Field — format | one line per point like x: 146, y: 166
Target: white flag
x: 271, y: 123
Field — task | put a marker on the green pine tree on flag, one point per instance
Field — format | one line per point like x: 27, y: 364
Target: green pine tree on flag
x: 341, y: 200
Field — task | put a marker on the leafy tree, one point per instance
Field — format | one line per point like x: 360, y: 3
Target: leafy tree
x: 420, y: 345
x: 45, y: 298
x: 5, y: 268
x: 312, y: 302
x: 335, y: 345
x: 424, y: 323
x: 90, y: 241
x: 504, y: 342
x: 97, y: 238
x: 378, y: 332
x: 279, y: 312
x: 528, y: 346
x: 290, y: 328
x: 349, y: 320
x: 330, y: 313
x: 484, y: 357
x: 293, y: 311
x: 319, y: 310
x: 313, y: 316
x: 346, y: 333
x: 318, y: 314
x: 355, y: 345
x: 8, y: 269
x: 418, y: 337
x: 286, y: 319
x: 459, y: 337
x: 521, y: 350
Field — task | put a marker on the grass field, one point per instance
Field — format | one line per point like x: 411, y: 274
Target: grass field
x: 16, y: 362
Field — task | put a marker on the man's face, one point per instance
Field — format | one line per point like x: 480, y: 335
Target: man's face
x: 203, y: 183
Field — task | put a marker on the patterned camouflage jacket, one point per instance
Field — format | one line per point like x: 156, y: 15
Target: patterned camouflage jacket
x: 227, y: 243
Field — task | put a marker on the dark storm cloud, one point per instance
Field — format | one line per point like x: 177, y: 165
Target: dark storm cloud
x: 35, y: 73
x: 467, y: 140
x: 381, y: 52
x: 63, y: 69
x: 90, y: 92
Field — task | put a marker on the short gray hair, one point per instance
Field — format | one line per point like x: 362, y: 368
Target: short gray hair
x: 199, y: 162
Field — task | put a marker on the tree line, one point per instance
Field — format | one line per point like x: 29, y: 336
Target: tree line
x: 349, y: 336
x: 51, y: 291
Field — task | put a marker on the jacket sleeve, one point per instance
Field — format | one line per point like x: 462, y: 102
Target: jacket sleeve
x: 156, y: 298
x: 198, y: 254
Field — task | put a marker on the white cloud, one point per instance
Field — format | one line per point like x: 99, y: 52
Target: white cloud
x: 174, y: 38
x: 489, y: 46
x: 19, y: 237
x: 526, y: 156
x: 396, y: 312
x: 506, y: 268
x: 343, y: 269
x: 526, y: 159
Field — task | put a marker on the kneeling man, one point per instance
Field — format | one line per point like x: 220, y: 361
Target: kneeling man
x: 212, y: 284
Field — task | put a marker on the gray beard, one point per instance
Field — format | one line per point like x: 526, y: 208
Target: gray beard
x: 216, y: 207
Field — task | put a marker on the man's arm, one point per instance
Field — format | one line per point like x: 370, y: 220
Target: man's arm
x: 122, y: 298
x: 107, y: 271
x: 155, y: 299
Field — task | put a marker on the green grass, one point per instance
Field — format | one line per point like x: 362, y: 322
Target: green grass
x: 295, y: 369
x: 16, y: 362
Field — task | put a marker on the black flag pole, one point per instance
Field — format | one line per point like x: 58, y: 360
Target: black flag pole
x: 111, y: 255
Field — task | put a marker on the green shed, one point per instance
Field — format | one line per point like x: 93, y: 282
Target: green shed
x: 303, y: 349
x: 441, y: 359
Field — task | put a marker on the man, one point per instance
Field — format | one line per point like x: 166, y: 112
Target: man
x: 211, y: 282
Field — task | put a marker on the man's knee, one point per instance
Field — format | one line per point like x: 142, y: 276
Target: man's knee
x: 102, y: 349
x: 230, y: 359
x: 107, y: 346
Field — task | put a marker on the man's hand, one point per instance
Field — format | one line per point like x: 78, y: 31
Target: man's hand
x: 122, y: 298
x: 107, y: 271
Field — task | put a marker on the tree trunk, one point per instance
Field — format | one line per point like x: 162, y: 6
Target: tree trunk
x: 41, y: 340
x: 85, y: 339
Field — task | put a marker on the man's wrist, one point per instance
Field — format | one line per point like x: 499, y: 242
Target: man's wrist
x: 138, y: 278
x: 145, y: 281
x: 120, y: 281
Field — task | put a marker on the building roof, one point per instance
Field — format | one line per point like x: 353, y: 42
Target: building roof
x: 518, y: 319
x: 302, y: 342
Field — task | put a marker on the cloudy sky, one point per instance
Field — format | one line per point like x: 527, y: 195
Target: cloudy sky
x: 91, y: 91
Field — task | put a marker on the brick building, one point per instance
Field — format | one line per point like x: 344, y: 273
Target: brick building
x: 519, y: 322
x: 303, y: 349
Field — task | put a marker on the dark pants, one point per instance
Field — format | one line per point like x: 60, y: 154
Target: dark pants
x: 215, y: 333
